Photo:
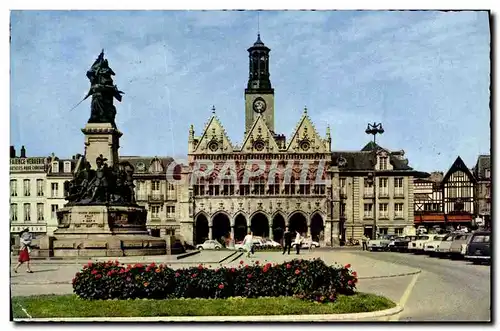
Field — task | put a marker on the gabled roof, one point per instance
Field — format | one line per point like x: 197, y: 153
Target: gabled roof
x: 306, y: 131
x: 483, y: 163
x: 456, y: 166
x: 214, y: 129
x: 260, y: 131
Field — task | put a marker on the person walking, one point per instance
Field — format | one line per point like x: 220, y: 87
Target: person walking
x: 298, y: 242
x: 287, y: 241
x: 248, y: 243
x: 24, y: 252
x: 364, y: 239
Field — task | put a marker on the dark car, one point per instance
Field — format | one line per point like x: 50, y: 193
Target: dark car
x: 401, y: 244
x: 479, y: 247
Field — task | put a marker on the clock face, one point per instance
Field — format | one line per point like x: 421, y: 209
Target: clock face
x: 259, y: 105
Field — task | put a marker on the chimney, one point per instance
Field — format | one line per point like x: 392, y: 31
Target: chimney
x: 12, y: 152
x: 23, y: 151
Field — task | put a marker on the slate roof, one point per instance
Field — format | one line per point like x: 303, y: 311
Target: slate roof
x: 61, y: 162
x: 138, y: 161
x: 483, y: 163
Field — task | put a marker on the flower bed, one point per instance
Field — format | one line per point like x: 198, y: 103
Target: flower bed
x: 306, y: 279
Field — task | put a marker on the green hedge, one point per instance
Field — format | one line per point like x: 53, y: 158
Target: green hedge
x: 306, y: 279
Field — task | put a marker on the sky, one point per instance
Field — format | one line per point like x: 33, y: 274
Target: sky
x: 424, y: 74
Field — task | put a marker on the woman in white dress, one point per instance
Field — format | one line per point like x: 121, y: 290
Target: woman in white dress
x: 248, y: 242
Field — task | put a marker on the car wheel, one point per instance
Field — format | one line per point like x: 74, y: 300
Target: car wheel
x: 200, y: 248
x: 217, y: 248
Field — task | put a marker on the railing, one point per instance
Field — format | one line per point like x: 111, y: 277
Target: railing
x: 399, y: 193
x: 383, y: 193
x: 368, y: 193
x: 156, y: 197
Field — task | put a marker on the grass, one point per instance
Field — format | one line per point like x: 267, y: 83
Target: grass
x: 71, y: 306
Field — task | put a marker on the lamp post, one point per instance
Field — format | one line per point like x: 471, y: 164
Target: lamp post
x: 374, y: 129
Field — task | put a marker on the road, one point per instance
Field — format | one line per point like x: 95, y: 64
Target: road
x: 445, y: 290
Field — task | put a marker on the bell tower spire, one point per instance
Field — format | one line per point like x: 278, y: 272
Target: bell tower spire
x: 259, y: 94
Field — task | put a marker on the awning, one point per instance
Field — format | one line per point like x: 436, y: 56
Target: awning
x: 433, y: 218
x: 459, y: 218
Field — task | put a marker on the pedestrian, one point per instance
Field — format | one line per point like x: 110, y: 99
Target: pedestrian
x: 364, y: 239
x: 287, y: 244
x: 248, y: 243
x: 298, y: 242
x: 24, y: 252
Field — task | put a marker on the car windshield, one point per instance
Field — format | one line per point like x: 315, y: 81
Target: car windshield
x: 423, y: 237
x: 481, y: 238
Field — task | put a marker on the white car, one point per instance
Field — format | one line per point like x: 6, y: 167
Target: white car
x: 209, y: 244
x: 266, y: 242
x: 430, y: 247
x: 379, y: 244
x: 417, y: 246
x: 307, y: 244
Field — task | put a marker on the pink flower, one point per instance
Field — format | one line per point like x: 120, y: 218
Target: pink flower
x: 349, y: 283
x: 249, y: 276
x: 221, y: 286
x: 93, y: 272
x: 194, y: 275
x: 355, y: 274
x: 98, y: 276
x: 233, y: 270
x: 177, y: 274
x: 138, y: 265
x: 200, y: 267
x: 241, y: 262
x: 297, y: 271
x: 288, y: 266
x: 347, y: 266
x: 147, y: 269
x: 265, y: 269
x: 129, y: 279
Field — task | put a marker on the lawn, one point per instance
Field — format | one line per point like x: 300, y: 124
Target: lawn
x: 71, y: 306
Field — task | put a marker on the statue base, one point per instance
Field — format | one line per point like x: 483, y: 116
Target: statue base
x: 101, y: 139
x: 102, y: 230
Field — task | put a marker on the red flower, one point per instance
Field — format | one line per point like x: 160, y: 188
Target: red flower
x: 216, y: 269
x: 147, y: 269
x: 200, y: 267
x: 122, y: 271
x: 246, y: 266
x: 110, y: 273
x: 129, y: 266
x: 249, y: 276
x: 355, y: 280
x: 241, y: 262
x: 265, y: 269
x: 93, y: 272
x: 297, y: 271
x: 349, y: 283
x: 347, y: 266
x: 194, y: 275
x: 355, y: 274
x: 139, y: 265
x: 98, y: 276
x: 268, y: 264
x: 152, y: 265
x: 257, y: 262
x: 116, y: 262
x: 146, y: 284
x: 221, y: 286
x: 288, y: 266
x: 77, y: 274
x: 157, y: 270
x: 233, y: 270
x: 90, y: 264
x: 177, y: 274
x: 73, y: 281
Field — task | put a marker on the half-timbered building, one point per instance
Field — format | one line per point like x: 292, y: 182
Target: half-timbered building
x: 428, y: 199
x: 458, y: 194
x: 482, y: 194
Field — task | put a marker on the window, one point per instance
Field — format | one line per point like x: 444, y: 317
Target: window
x: 155, y: 185
x: 39, y: 187
x: 53, y: 211
x: 398, y: 210
x: 13, y: 188
x: 383, y: 231
x: 466, y: 191
x: 368, y: 210
x: 26, y: 187
x: 383, y: 186
x: 155, y: 211
x: 342, y: 184
x: 55, y: 166
x: 383, y: 163
x: 290, y: 187
x: 305, y: 188
x: 244, y: 189
x: 487, y: 173
x: 481, y: 239
x: 398, y: 231
x: 13, y: 212
x: 27, y: 212
x: 342, y: 209
x: 67, y: 166
x: 39, y: 211
x: 368, y: 187
x: 274, y: 188
x: 213, y: 187
x: 170, y: 211
x: 398, y: 186
x: 54, y: 190
x: 259, y: 186
x: 228, y: 187
x: 383, y: 210
x: 199, y: 188
x: 319, y: 189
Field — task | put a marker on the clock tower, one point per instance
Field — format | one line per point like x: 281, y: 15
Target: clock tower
x: 259, y: 95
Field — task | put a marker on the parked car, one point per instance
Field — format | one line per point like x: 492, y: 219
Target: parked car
x: 417, y: 246
x: 444, y: 247
x: 401, y: 244
x: 431, y: 246
x: 379, y: 244
x: 209, y: 244
x: 458, y: 244
x: 478, y: 247
x: 307, y: 244
x: 269, y: 243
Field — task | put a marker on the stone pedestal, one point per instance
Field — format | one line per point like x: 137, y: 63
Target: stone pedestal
x: 101, y: 230
x: 101, y: 138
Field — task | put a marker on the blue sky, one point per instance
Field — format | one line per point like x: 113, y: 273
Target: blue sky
x: 424, y: 75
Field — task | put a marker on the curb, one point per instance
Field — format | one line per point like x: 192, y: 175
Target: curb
x: 390, y: 276
x: 183, y: 256
x: 257, y: 318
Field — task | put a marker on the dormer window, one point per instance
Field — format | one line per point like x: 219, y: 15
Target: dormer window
x: 487, y: 173
x: 383, y: 162
x: 55, y: 166
x: 67, y: 166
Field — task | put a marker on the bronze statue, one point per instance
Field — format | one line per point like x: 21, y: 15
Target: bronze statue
x: 102, y: 91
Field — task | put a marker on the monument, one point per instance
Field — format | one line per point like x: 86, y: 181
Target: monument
x: 101, y: 217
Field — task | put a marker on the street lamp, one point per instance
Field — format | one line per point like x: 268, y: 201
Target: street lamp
x: 374, y: 129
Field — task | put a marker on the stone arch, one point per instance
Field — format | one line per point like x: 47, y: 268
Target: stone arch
x: 317, y: 226
x: 297, y: 221
x: 240, y: 227
x: 201, y: 228
x: 259, y: 224
x: 278, y: 227
x: 221, y: 226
